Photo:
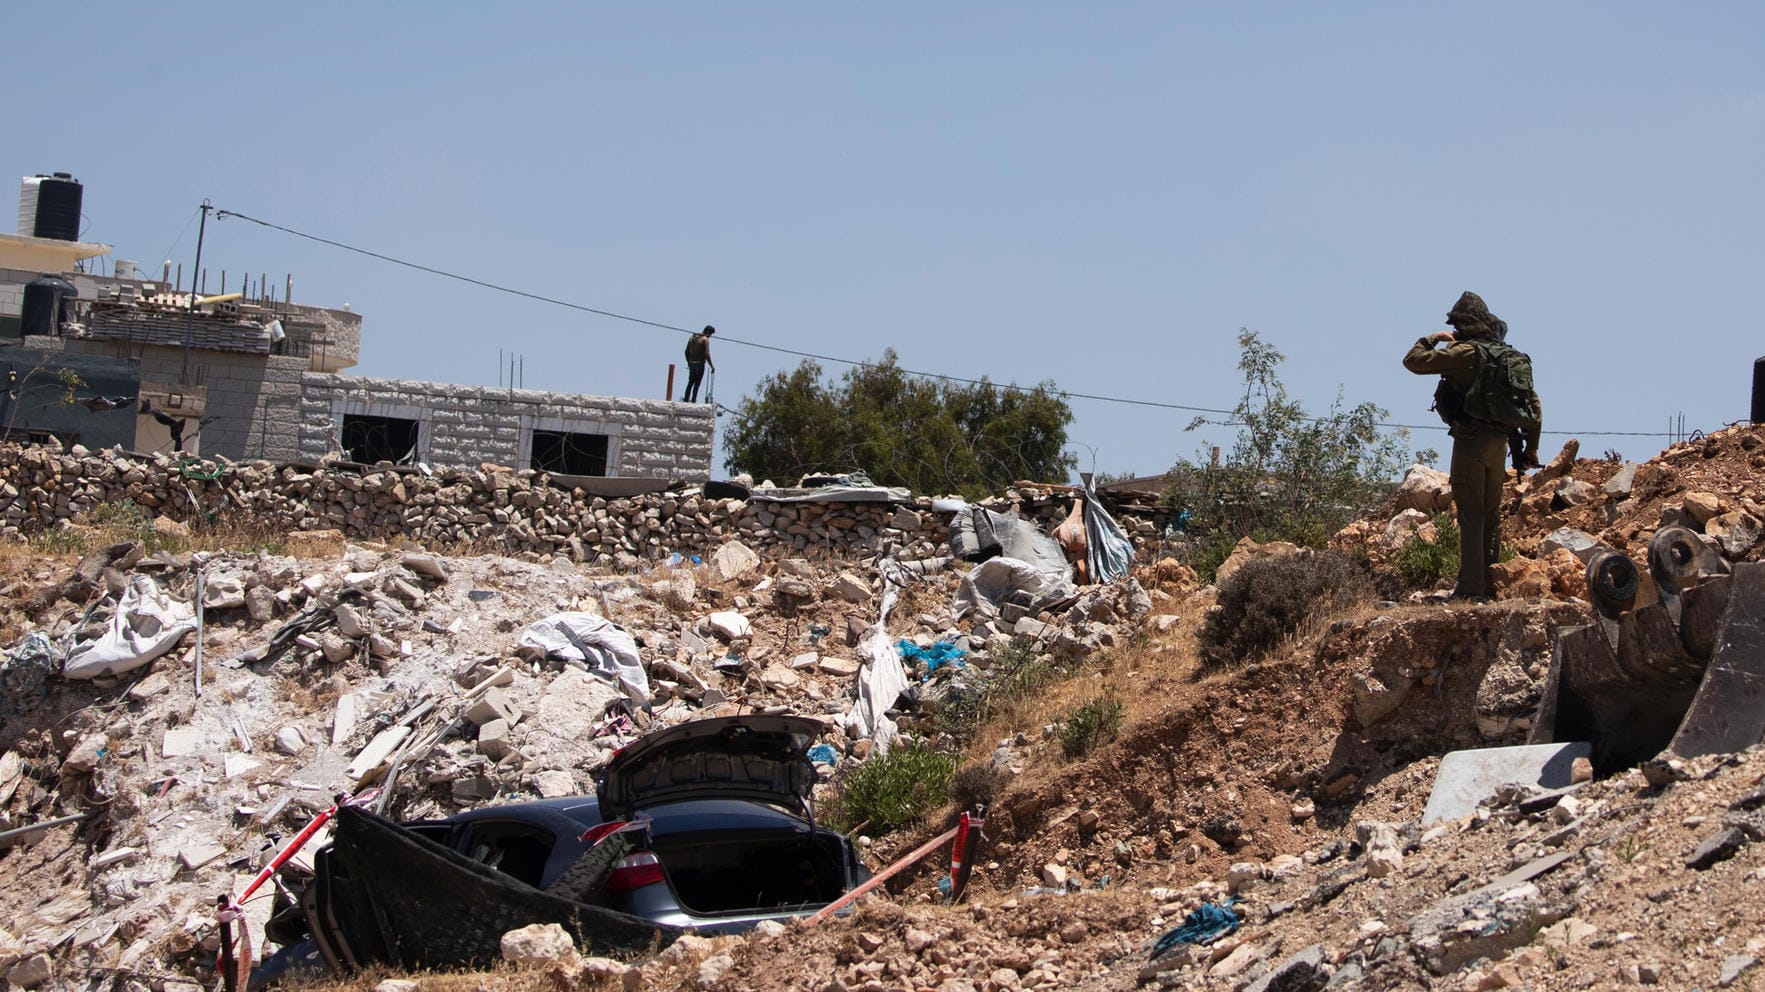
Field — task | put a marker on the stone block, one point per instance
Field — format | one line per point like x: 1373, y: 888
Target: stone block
x: 1466, y: 778
x: 493, y: 704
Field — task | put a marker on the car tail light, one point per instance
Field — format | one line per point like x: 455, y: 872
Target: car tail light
x: 635, y: 871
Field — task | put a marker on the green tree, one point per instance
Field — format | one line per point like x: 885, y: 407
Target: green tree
x: 1290, y: 476
x: 931, y: 436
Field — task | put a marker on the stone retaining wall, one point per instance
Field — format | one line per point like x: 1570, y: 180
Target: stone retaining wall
x: 508, y: 511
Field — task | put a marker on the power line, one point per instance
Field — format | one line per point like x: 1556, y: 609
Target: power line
x: 554, y: 301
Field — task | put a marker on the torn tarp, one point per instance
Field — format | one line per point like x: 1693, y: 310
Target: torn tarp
x: 998, y: 581
x: 605, y: 647
x: 147, y: 624
x: 978, y: 534
x: 1109, y: 554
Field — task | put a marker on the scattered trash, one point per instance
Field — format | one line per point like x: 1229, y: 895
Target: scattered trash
x: 817, y: 631
x: 596, y: 642
x: 1208, y: 923
x: 147, y: 623
x: 823, y: 754
x: 935, y: 657
x: 24, y: 674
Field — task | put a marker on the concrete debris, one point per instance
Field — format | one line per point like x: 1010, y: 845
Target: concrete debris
x: 540, y: 944
x: 729, y: 625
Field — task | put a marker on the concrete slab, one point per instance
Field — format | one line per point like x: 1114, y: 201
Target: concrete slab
x: 1468, y: 777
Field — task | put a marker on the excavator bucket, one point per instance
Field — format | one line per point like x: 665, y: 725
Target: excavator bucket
x: 1684, y: 675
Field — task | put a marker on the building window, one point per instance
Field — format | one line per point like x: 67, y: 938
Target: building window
x: 368, y: 439
x: 566, y: 453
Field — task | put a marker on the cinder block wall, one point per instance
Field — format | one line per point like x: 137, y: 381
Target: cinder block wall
x: 253, y: 400
x: 467, y: 425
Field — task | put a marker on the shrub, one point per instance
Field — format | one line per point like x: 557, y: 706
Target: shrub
x: 1423, y: 562
x: 1095, y: 722
x: 1017, y: 675
x: 975, y: 785
x: 894, y: 790
x: 1268, y: 599
x: 1290, y: 475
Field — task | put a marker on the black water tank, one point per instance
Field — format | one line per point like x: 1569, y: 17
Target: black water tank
x: 52, y: 205
x: 48, y: 301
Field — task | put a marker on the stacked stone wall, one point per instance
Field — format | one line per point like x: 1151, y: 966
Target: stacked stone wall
x: 44, y: 488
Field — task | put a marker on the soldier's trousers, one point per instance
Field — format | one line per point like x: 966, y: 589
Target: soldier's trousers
x: 1479, y: 467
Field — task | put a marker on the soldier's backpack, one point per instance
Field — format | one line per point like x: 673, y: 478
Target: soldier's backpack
x: 1500, y: 393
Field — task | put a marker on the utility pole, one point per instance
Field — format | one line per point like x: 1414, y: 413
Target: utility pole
x: 190, y: 318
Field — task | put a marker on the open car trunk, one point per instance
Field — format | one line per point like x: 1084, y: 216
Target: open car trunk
x: 721, y: 872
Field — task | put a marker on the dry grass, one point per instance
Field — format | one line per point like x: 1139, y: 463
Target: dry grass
x: 503, y: 978
x: 120, y: 520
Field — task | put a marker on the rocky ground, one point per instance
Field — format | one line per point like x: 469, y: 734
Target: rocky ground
x: 1295, y: 785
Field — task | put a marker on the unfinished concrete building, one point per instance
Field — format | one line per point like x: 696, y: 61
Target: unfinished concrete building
x: 247, y: 375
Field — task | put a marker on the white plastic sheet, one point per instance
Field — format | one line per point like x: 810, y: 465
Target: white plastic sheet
x: 605, y: 647
x: 883, y: 678
x: 147, y: 624
x: 1004, y: 580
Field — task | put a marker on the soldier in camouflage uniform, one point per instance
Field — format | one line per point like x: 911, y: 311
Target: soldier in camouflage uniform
x: 1479, y: 450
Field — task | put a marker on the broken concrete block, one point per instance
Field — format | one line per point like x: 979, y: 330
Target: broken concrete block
x: 199, y: 853
x: 733, y: 561
x: 223, y: 592
x: 428, y: 566
x: 380, y: 646
x: 1466, y: 778
x: 807, y: 659
x: 114, y: 856
x: 350, y: 622
x: 344, y: 717
x: 336, y: 648
x: 1621, y: 482
x: 180, y: 741
x: 493, y: 704
x: 260, y: 603
x: 1031, y: 627
x: 1054, y: 875
x: 729, y: 625
x: 154, y: 684
x: 367, y: 764
x: 778, y: 676
x: 473, y: 789
x: 840, y: 666
x: 554, y: 784
x: 851, y: 588
x: 400, y: 589
x: 238, y: 764
x: 316, y: 583
x: 493, y: 739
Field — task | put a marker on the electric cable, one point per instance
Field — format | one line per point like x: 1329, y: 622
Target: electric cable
x: 554, y: 301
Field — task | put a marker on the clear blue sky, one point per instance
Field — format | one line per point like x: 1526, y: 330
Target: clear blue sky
x: 1098, y: 195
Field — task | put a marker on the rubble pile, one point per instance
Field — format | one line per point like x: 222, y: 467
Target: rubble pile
x: 428, y: 676
x: 512, y: 511
x: 1261, y: 828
